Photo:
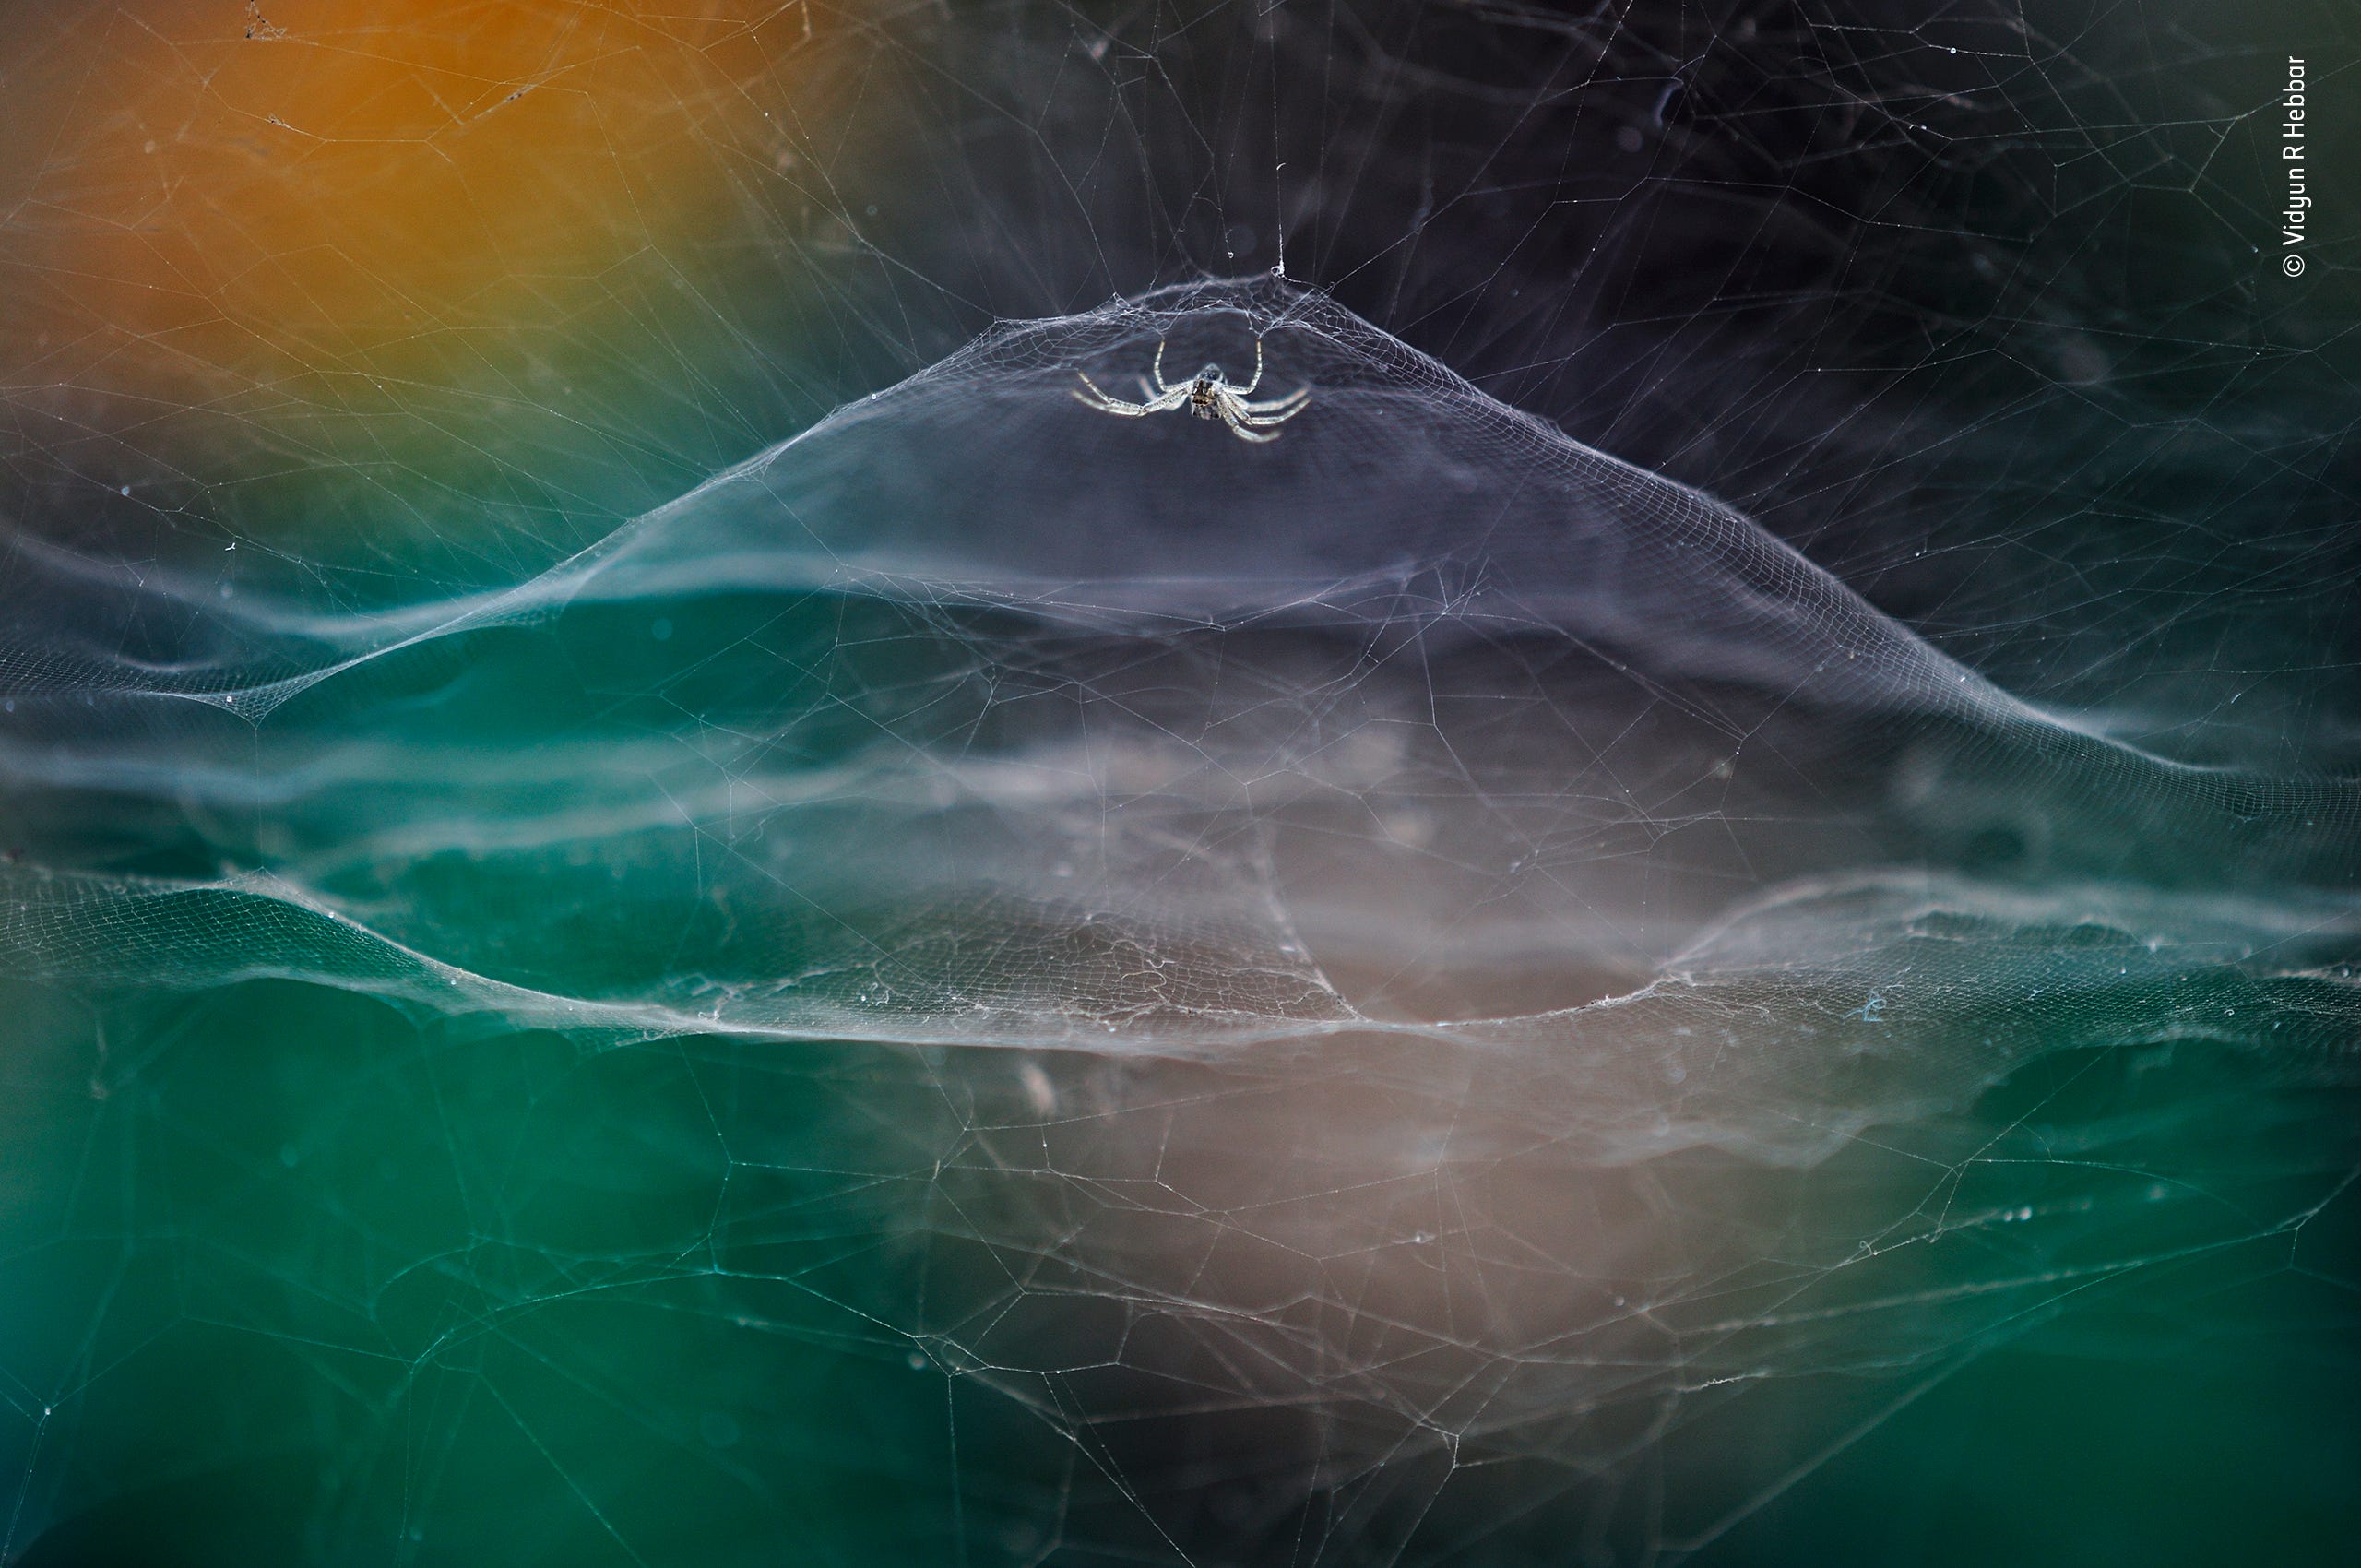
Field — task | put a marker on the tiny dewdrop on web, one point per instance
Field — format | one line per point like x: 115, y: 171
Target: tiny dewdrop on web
x: 1207, y: 395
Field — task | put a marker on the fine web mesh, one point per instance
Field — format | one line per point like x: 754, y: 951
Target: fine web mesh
x: 1184, y: 716
x: 1431, y: 893
x: 658, y: 905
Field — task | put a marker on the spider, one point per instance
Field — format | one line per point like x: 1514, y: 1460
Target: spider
x: 1207, y: 396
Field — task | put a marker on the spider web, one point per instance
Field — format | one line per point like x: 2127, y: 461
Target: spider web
x: 662, y: 907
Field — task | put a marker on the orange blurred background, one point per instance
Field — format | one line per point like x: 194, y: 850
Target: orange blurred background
x: 309, y: 225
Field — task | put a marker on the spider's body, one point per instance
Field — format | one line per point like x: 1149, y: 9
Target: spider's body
x: 1208, y: 396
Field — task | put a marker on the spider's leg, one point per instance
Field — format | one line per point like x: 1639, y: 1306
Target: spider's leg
x: 1250, y: 387
x: 1158, y: 367
x: 1260, y: 420
x: 1094, y: 398
x: 1274, y: 404
x: 1236, y: 423
x: 1111, y: 406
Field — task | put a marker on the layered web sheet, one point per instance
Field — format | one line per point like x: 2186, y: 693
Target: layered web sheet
x: 1430, y: 951
x: 659, y: 905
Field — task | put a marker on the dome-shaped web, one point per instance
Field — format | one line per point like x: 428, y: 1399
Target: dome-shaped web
x: 1489, y: 958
